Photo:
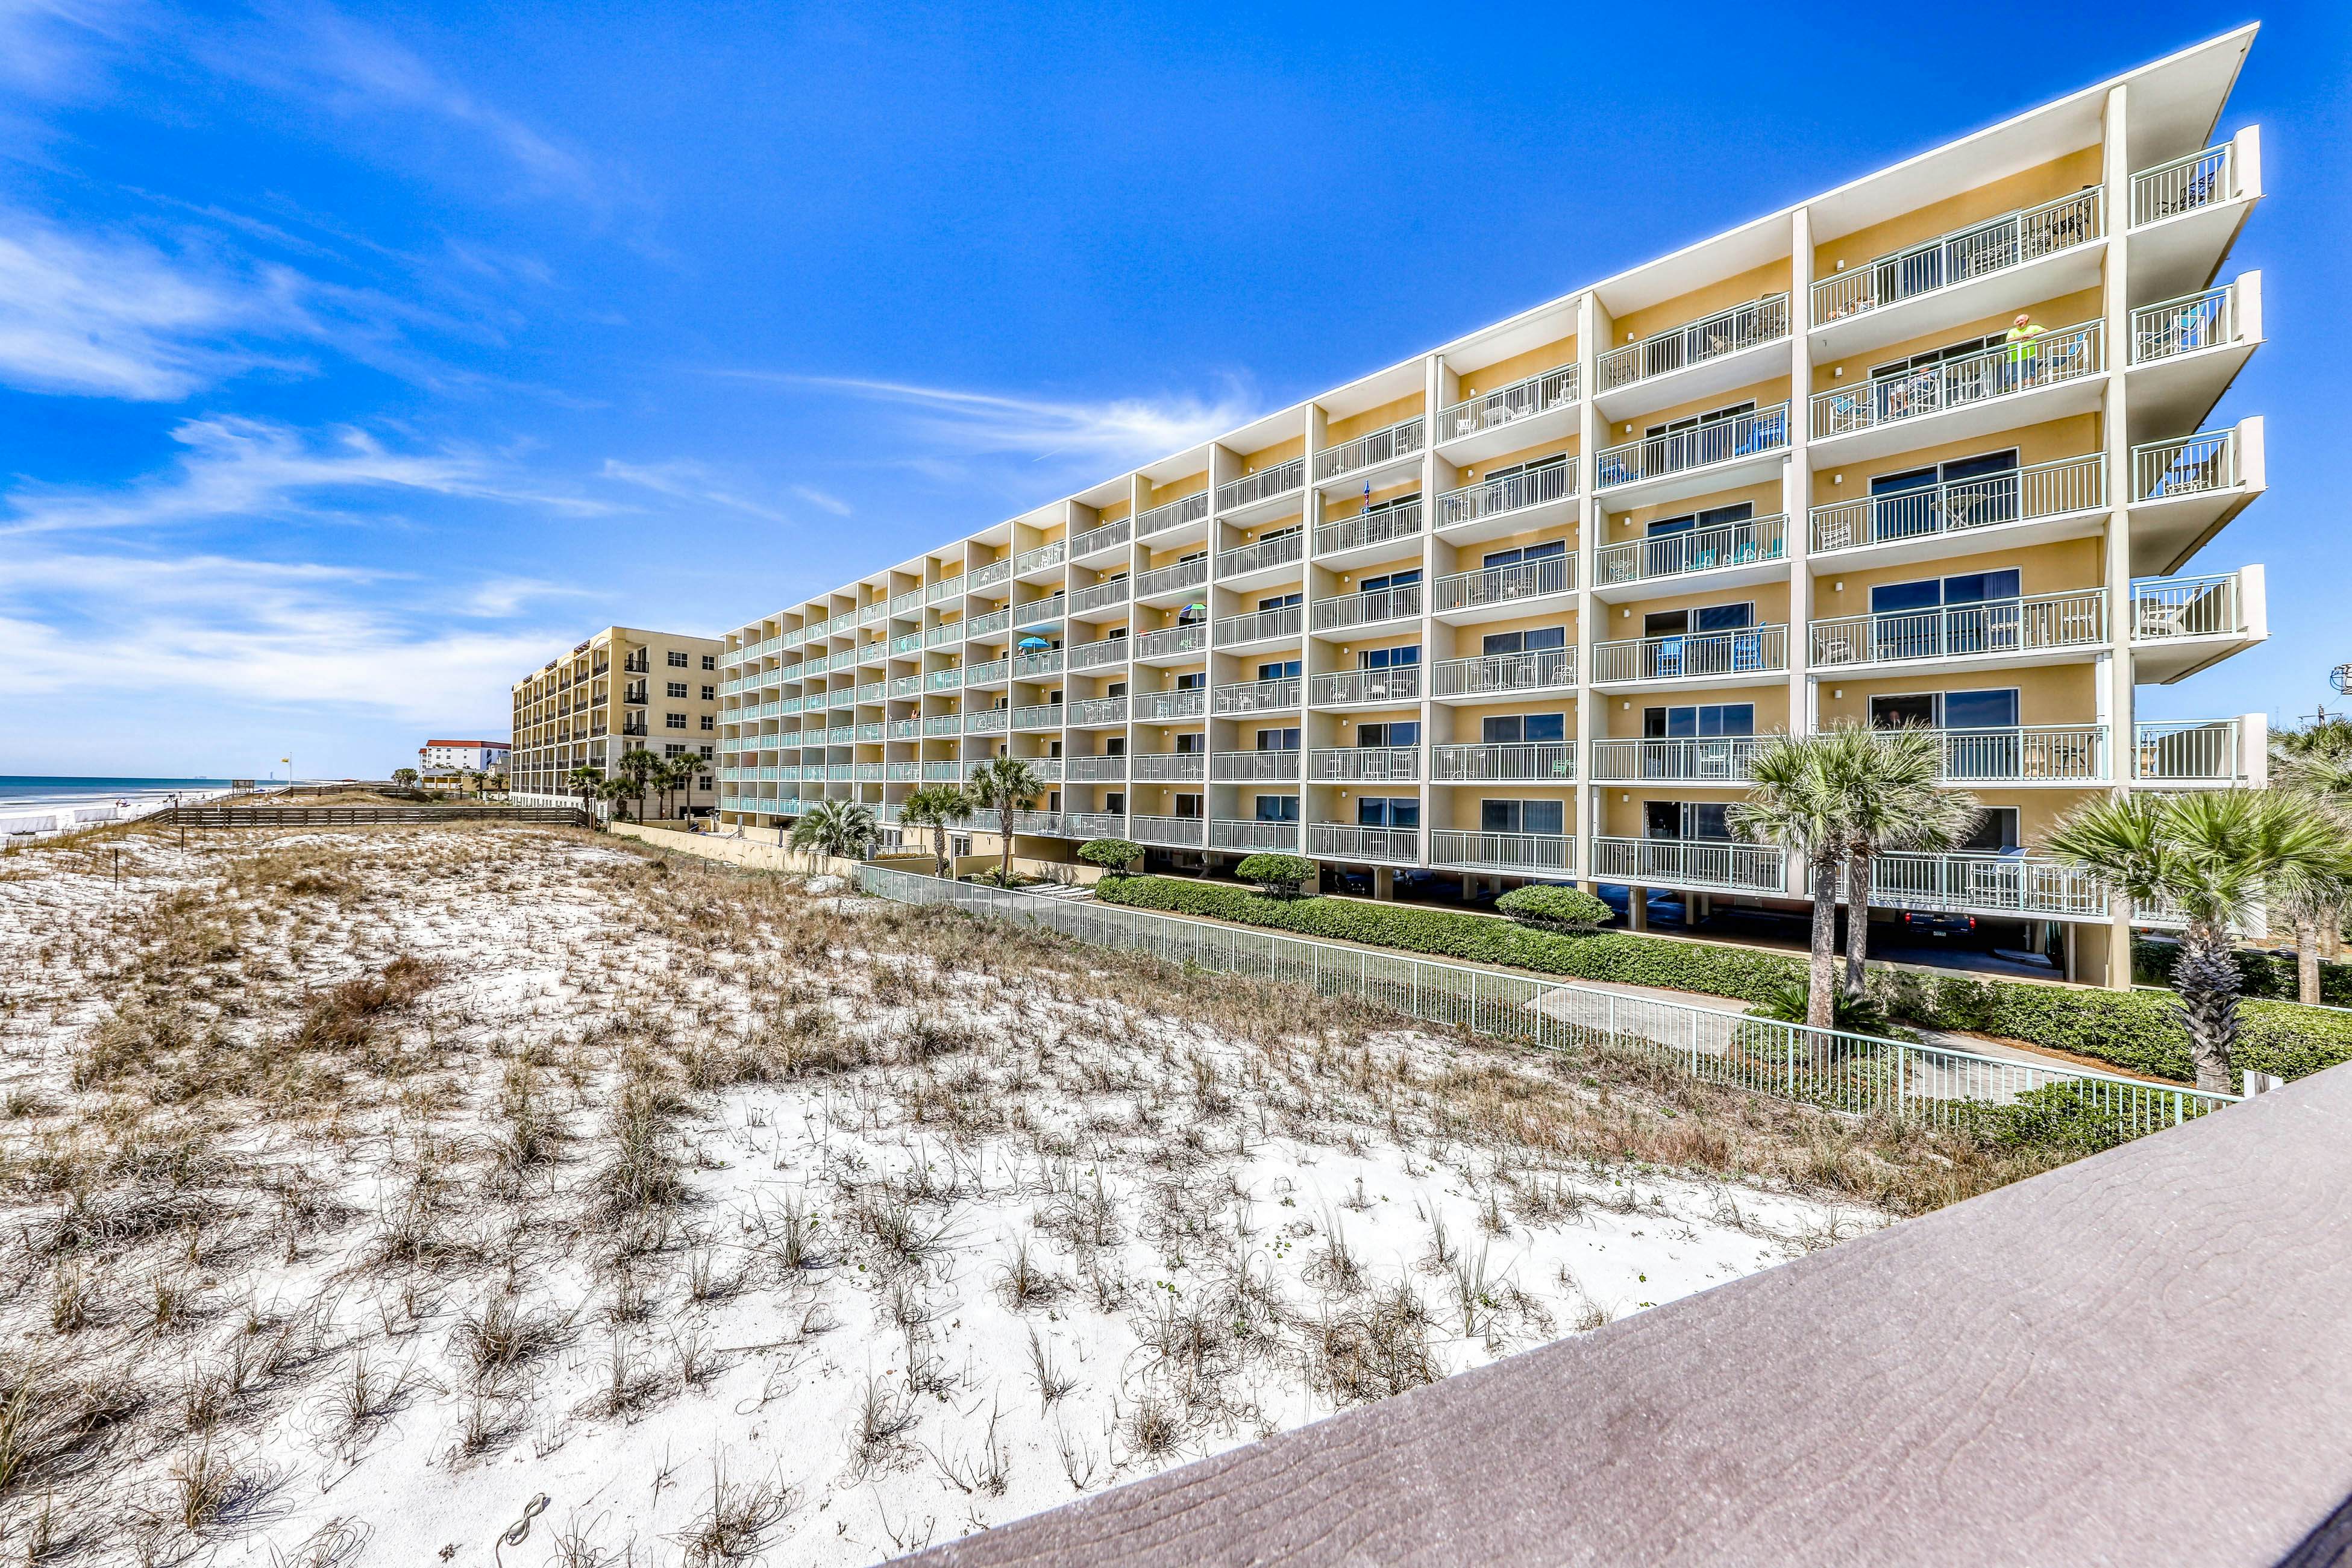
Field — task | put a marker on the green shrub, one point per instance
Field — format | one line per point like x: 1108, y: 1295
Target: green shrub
x: 2067, y: 1118
x: 2134, y: 1031
x: 1555, y: 908
x: 1862, y: 1014
x: 2261, y: 973
x: 1116, y: 857
x: 1281, y: 875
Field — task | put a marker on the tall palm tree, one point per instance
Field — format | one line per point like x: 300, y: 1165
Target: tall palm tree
x: 2213, y: 857
x: 938, y: 807
x: 843, y: 828
x: 1004, y: 785
x: 1794, y: 801
x: 637, y: 767
x: 617, y: 792
x: 1891, y: 786
x: 586, y: 781
x: 2316, y: 763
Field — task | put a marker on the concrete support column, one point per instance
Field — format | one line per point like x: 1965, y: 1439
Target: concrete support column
x: 1593, y: 326
x: 1797, y: 478
x: 1383, y: 882
x: 2115, y: 430
x: 1637, y: 909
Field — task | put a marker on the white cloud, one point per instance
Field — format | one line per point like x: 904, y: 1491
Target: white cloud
x: 684, y: 479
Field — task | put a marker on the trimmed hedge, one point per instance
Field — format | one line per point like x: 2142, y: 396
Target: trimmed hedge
x: 2264, y: 973
x: 1287, y: 873
x: 1545, y: 905
x: 1113, y: 855
x: 2137, y: 1031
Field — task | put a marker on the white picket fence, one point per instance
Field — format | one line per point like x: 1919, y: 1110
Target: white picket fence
x: 1851, y: 1073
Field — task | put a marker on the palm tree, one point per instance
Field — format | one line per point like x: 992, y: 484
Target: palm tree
x: 2315, y: 762
x: 637, y: 766
x: 1890, y: 783
x: 838, y: 827
x: 1004, y: 785
x: 1794, y: 800
x: 405, y: 777
x: 587, y: 781
x: 617, y: 792
x: 938, y: 807
x: 2212, y: 857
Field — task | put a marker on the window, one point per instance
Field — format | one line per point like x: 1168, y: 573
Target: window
x: 1996, y: 832
x: 710, y: 661
x: 1684, y: 819
x: 1391, y: 580
x: 1551, y: 552
x: 676, y: 689
x: 1280, y: 601
x: 1704, y: 619
x: 1193, y: 681
x: 1191, y: 743
x: 673, y: 721
x: 1993, y: 709
x: 1188, y: 806
x: 703, y: 785
x: 1510, y: 729
x: 1403, y: 658
x: 1115, y: 801
x: 1401, y: 811
x: 1284, y: 671
x: 1972, y: 612
x: 1538, y: 640
x: 1114, y: 746
x: 1967, y: 493
x: 1521, y: 816
x: 1397, y: 732
x: 1278, y: 808
x: 676, y: 659
x: 1700, y: 721
x: 709, y: 694
x: 673, y: 749
x: 707, y: 754
x: 709, y: 721
x: 1278, y: 739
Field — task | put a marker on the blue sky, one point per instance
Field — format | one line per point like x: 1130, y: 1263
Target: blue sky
x: 350, y: 360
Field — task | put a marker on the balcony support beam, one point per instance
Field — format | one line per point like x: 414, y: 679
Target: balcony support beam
x: 1594, y: 328
x: 2115, y: 428
x: 1797, y: 483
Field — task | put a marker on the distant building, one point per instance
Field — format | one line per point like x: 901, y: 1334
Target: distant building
x: 438, y: 758
x: 619, y: 690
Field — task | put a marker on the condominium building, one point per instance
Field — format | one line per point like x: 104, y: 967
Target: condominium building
x: 436, y: 759
x: 621, y: 690
x: 1929, y: 448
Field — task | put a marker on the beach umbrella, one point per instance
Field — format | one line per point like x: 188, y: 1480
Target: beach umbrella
x: 1033, y: 640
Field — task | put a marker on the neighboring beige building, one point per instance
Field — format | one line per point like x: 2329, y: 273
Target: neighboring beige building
x: 1520, y: 607
x: 614, y: 692
x: 437, y: 759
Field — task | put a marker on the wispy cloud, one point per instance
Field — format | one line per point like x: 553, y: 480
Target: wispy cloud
x: 253, y: 470
x: 688, y: 480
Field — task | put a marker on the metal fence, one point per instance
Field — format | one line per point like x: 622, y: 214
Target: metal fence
x: 1851, y: 1073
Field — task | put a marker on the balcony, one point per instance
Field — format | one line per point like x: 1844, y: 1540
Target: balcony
x: 1515, y: 761
x: 2009, y: 630
x: 1714, y: 659
x: 1095, y: 769
x: 1101, y: 540
x: 1160, y: 707
x: 1030, y: 666
x: 2053, y: 753
x: 1712, y: 759
x: 1517, y: 503
x: 1372, y: 536
x: 1495, y: 674
x: 993, y: 672
x: 1180, y: 832
x: 2195, y: 751
x: 906, y: 728
x: 1701, y: 864
x: 1500, y: 591
x: 2186, y: 490
x: 1094, y: 824
x: 1100, y: 595
x: 943, y: 680
x: 1720, y: 454
x: 989, y: 575
x: 1043, y: 824
x: 1266, y: 494
x: 1364, y: 765
x: 1097, y: 712
x: 1358, y: 687
x: 1362, y: 461
x: 2011, y: 884
x: 1168, y: 767
x: 2185, y: 352
x: 1262, y: 560
x: 1261, y: 627
x: 1520, y: 854
x: 1347, y: 841
x: 1252, y: 837
x: 1974, y: 394
x: 1257, y: 697
x: 2186, y: 214
x: 2181, y: 624
x: 1175, y: 514
x: 1738, y: 347
x: 2067, y: 499
x: 1733, y: 553
x: 989, y: 625
x: 1040, y: 612
x: 1172, y: 581
x: 1530, y: 413
x: 942, y: 635
x: 1095, y: 655
x: 906, y: 686
x: 945, y: 588
x: 1984, y: 270
x: 1347, y: 611
x: 988, y: 721
x: 1042, y: 563
x: 1172, y: 644
x: 1037, y: 716
x: 943, y: 772
x: 1254, y: 767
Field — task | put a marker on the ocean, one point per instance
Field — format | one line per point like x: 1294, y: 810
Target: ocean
x: 36, y: 803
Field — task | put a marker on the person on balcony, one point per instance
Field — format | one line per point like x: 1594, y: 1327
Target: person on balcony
x: 2021, y: 349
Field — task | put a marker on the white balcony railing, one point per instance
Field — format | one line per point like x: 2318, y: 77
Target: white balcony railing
x: 2183, y: 185
x: 992, y: 622
x: 1755, y: 434
x: 943, y: 724
x: 1264, y: 555
x: 1531, y: 854
x: 1502, y: 584
x: 1546, y: 669
x: 1514, y: 492
x: 1099, y: 595
x: 1694, y: 760
x: 1254, y: 767
x: 1977, y: 251
x: 1094, y: 654
x: 1037, y: 716
x: 2065, y: 354
x: 1279, y: 480
x: 1512, y: 762
x: 2191, y: 751
x: 1752, y: 650
x: 1183, y: 832
x: 1096, y: 711
x: 1999, y: 884
x: 1543, y: 393
x: 1095, y: 769
x: 1727, y: 332
x: 1398, y: 440
x: 1169, y: 641
x: 2045, y: 621
x: 1044, y: 661
x: 2193, y: 465
x: 1743, y: 544
x: 1175, y: 514
x: 2200, y: 320
x: 988, y: 673
x: 1037, y: 612
x: 2044, y: 753
x: 1402, y: 520
x: 988, y: 721
x: 1688, y: 863
x: 943, y: 680
x: 1173, y: 578
x: 1261, y: 626
x: 1397, y: 683
x: 1039, y: 559
x: 1364, y: 765
x: 2168, y: 608
x: 1258, y: 696
x: 989, y: 575
x: 1253, y: 837
x: 1094, y: 540
x: 1094, y: 824
x: 1168, y: 767
x: 942, y: 773
x: 1348, y: 841
x: 1368, y: 608
x: 1187, y: 702
x: 2043, y: 489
